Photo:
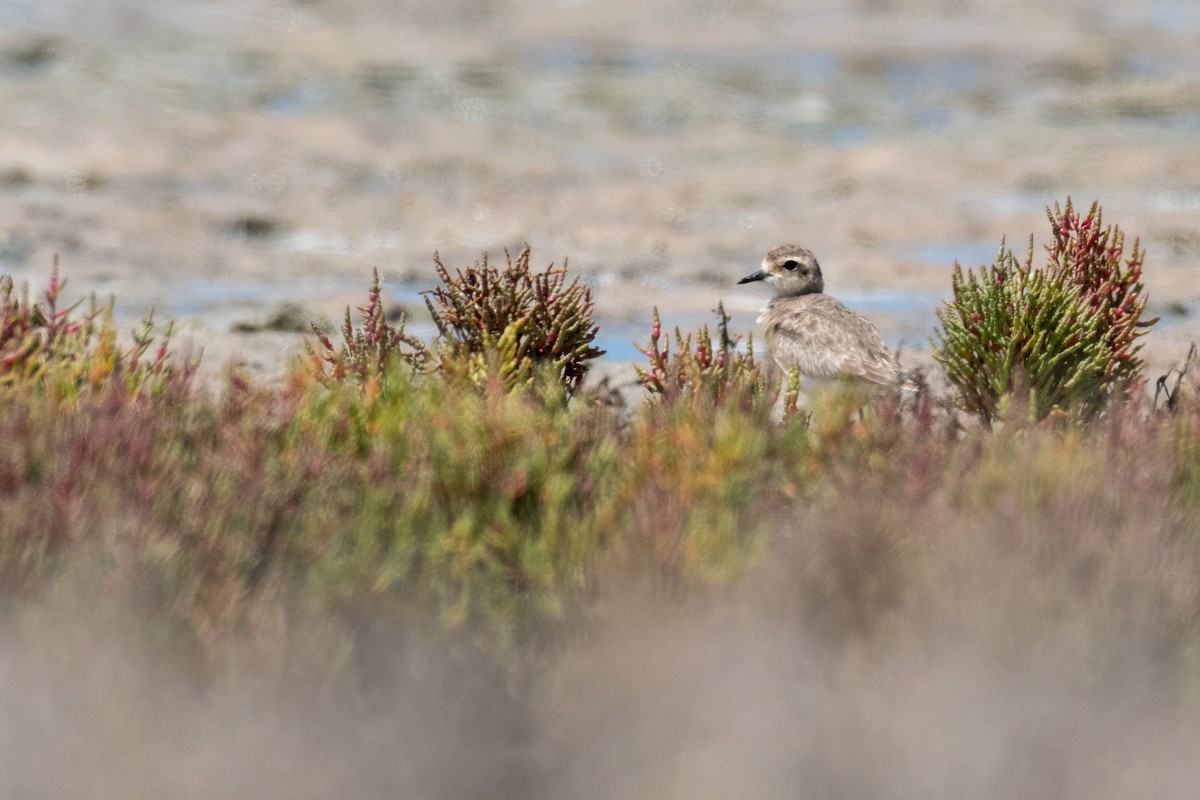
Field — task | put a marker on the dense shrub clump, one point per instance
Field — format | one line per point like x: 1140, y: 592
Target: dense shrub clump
x: 1063, y: 336
x: 510, y: 324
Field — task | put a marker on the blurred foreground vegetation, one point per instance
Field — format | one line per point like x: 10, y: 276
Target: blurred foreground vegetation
x: 500, y: 511
x: 386, y: 487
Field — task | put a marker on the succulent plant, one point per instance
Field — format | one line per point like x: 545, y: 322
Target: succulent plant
x: 65, y: 351
x: 366, y: 353
x: 509, y: 323
x: 1058, y: 337
x: 713, y: 372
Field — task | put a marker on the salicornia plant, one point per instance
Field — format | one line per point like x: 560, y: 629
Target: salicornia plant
x: 64, y: 351
x: 508, y: 324
x: 1062, y: 336
x: 712, y: 372
x: 367, y: 352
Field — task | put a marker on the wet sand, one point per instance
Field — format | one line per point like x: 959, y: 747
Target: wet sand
x: 212, y: 160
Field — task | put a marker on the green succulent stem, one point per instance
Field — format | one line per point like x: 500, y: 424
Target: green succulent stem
x: 1061, y: 337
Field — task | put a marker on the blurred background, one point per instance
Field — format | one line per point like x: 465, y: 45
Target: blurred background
x: 212, y: 159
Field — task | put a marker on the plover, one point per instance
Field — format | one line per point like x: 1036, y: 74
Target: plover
x: 812, y: 331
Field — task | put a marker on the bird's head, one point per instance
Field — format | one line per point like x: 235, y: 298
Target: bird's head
x: 791, y: 270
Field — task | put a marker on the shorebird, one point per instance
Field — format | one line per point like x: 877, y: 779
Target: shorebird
x: 811, y: 331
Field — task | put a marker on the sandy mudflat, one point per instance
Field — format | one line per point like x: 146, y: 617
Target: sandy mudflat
x: 213, y: 159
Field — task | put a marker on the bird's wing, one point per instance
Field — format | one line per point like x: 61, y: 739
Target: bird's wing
x: 825, y: 339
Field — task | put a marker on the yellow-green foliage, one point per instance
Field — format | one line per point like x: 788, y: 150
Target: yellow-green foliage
x: 697, y: 479
x: 484, y: 508
x: 1059, y: 337
x: 1016, y: 329
x: 506, y: 518
x: 359, y: 532
x: 63, y: 352
x: 500, y: 516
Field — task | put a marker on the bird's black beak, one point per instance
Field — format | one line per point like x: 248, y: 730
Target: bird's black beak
x: 757, y: 276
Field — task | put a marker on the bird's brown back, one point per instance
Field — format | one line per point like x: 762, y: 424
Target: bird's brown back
x: 824, y: 339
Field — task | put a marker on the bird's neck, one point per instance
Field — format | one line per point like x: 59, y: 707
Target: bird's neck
x: 801, y: 293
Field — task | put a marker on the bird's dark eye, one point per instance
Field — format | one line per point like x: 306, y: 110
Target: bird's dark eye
x: 790, y: 264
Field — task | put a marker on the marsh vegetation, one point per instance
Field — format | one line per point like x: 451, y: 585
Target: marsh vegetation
x: 454, y: 569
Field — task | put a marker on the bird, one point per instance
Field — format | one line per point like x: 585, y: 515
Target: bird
x: 808, y: 330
